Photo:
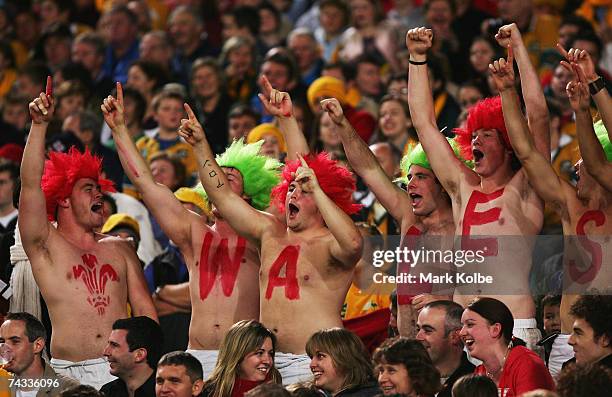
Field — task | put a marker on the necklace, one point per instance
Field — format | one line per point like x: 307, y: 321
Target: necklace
x: 501, y: 368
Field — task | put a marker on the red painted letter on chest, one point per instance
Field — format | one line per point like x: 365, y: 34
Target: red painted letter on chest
x: 589, y: 245
x: 220, y: 261
x: 472, y: 217
x: 288, y: 259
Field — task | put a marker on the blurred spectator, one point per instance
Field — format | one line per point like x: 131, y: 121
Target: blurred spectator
x: 395, y: 125
x: 539, y: 31
x: 406, y: 14
x: 155, y: 47
x: 70, y: 97
x: 147, y: 78
x: 54, y: 12
x: 274, y: 145
x: 270, y: 26
x: 304, y: 47
x: 123, y: 43
x: 178, y: 374
x: 368, y: 35
x: 330, y: 87
x: 7, y: 68
x: 334, y: 17
x: 15, y: 113
x: 482, y: 52
x: 469, y: 94
x: 211, y: 103
x: 89, y: 50
x: 27, y: 30
x: 241, y: 119
x: 187, y: 32
x: 54, y: 46
x: 31, y: 78
x: 238, y: 61
x: 141, y: 10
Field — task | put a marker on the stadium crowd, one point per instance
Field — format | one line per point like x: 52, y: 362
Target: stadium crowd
x: 198, y: 197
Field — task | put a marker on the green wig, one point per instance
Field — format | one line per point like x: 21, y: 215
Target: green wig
x: 417, y: 156
x: 259, y: 173
x: 604, y: 138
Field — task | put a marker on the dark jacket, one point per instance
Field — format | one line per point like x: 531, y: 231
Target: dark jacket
x: 118, y: 388
x: 368, y: 390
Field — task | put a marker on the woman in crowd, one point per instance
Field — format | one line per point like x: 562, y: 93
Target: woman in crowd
x: 404, y: 367
x: 395, y: 124
x: 246, y: 360
x: 487, y: 334
x: 340, y: 364
x: 147, y: 78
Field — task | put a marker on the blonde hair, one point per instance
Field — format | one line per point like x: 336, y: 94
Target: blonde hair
x: 242, y: 338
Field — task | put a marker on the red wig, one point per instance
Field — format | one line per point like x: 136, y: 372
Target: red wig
x: 486, y: 114
x: 335, y: 180
x: 63, y: 170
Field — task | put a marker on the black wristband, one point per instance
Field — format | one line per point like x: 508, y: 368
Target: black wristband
x: 596, y: 86
x: 417, y: 62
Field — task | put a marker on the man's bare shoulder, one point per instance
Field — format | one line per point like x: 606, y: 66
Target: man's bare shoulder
x: 115, y: 243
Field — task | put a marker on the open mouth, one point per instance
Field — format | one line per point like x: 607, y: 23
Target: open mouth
x: 263, y: 369
x: 387, y: 390
x: 478, y: 155
x: 416, y: 199
x: 293, y: 210
x: 469, y: 342
x: 97, y: 208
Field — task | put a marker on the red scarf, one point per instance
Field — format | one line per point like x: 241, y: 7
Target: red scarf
x: 241, y: 386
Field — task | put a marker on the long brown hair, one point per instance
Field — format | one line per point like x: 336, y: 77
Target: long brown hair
x: 242, y: 338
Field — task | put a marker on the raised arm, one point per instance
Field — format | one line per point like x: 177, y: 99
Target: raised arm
x: 243, y: 218
x: 443, y: 161
x: 597, y: 88
x: 33, y: 223
x: 279, y: 104
x: 173, y: 218
x: 535, y: 103
x: 592, y: 153
x: 364, y: 163
x: 539, y: 171
x: 348, y: 243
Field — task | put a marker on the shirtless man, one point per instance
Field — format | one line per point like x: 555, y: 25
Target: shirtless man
x: 424, y: 210
x: 493, y: 199
x: 306, y: 265
x: 585, y: 210
x: 223, y: 267
x: 85, y: 278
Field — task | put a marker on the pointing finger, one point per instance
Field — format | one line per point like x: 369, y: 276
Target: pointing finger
x: 49, y: 88
x: 190, y: 113
x: 304, y: 164
x: 119, y: 93
x: 266, y: 84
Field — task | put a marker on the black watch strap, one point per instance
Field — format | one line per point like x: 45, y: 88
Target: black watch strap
x: 597, y: 85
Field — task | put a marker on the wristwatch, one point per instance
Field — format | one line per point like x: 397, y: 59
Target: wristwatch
x: 597, y: 85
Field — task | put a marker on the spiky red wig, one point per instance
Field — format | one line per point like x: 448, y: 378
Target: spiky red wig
x: 486, y: 114
x: 336, y: 181
x: 63, y: 170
